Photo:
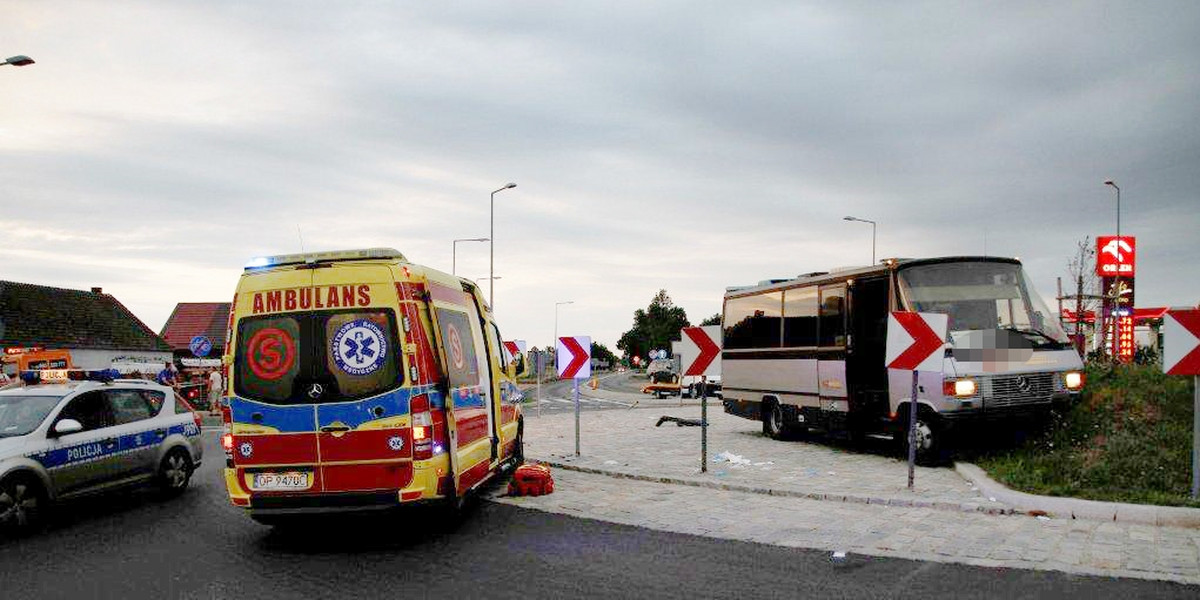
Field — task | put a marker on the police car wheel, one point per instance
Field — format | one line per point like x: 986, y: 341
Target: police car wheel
x: 22, y: 504
x: 175, y: 472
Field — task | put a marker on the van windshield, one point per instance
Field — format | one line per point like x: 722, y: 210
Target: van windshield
x: 981, y: 295
x: 317, y: 357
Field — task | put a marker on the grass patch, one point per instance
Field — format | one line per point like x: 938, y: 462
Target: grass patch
x: 1129, y: 439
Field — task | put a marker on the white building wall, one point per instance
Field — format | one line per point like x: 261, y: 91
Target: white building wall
x: 105, y: 359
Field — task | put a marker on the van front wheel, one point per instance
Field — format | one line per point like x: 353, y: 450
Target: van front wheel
x: 930, y: 440
x: 774, y: 426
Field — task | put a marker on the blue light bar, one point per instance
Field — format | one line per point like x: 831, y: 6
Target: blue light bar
x: 39, y: 376
x: 261, y: 262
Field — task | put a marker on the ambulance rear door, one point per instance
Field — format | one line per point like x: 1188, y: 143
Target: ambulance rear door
x: 358, y: 380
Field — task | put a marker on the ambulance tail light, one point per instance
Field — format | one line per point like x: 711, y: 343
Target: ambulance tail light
x: 227, y: 446
x: 422, y: 428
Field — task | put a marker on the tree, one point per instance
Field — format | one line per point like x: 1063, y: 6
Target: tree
x: 601, y: 352
x: 713, y: 320
x: 1082, y: 268
x: 654, y: 327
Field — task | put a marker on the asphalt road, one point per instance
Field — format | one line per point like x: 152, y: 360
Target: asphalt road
x: 197, y: 546
x: 559, y: 395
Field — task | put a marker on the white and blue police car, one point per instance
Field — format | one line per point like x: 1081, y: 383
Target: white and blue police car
x: 70, y: 433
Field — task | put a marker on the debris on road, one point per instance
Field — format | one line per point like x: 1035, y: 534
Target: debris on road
x: 679, y: 422
x: 731, y: 458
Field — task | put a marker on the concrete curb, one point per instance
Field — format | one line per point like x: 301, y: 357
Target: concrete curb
x: 1075, y: 508
x: 904, y: 502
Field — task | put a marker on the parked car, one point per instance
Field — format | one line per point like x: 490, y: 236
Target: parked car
x: 69, y: 433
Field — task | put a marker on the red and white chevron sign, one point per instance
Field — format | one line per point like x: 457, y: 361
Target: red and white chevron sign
x: 1181, y: 342
x: 915, y: 341
x: 574, y: 358
x: 515, y: 348
x: 700, y: 350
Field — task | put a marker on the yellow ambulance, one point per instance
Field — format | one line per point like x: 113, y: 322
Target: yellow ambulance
x: 359, y: 380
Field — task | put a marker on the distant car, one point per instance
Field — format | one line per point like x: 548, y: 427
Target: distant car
x: 690, y: 386
x: 662, y: 384
x: 67, y: 434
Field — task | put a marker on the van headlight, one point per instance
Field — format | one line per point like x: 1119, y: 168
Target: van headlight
x: 959, y: 388
x: 1073, y: 380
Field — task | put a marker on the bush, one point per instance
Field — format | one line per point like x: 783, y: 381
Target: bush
x: 1128, y: 439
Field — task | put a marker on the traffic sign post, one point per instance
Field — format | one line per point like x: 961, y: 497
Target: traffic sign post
x: 913, y: 344
x: 700, y: 356
x: 1181, y: 356
x: 574, y: 360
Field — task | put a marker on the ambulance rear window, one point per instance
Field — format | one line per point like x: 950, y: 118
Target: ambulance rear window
x: 317, y: 357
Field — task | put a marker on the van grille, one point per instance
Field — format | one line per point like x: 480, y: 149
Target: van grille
x: 1017, y: 390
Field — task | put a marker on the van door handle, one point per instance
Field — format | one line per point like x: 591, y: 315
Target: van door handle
x: 335, y: 429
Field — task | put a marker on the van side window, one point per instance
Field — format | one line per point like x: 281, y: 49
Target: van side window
x: 754, y: 321
x: 800, y: 317
x: 455, y: 330
x: 506, y: 357
x: 833, y: 315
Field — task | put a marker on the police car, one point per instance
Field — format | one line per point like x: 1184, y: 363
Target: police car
x: 69, y: 433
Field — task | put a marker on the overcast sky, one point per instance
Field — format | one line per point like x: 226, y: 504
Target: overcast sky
x: 155, y: 147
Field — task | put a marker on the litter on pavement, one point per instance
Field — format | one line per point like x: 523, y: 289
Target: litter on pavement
x: 731, y: 458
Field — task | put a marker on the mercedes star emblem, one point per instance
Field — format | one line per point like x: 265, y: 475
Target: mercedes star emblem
x: 315, y: 390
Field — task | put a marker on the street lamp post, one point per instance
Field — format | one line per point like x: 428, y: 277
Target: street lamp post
x: 454, y: 252
x: 872, y: 233
x: 19, y: 60
x: 1116, y: 301
x: 492, y: 244
x: 542, y: 363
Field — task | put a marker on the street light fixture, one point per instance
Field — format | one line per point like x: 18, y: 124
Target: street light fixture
x: 19, y: 60
x: 454, y: 252
x: 492, y: 243
x: 872, y: 233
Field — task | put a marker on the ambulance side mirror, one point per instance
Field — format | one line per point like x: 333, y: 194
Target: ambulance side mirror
x: 67, y: 426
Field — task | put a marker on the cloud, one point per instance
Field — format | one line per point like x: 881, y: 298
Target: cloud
x: 667, y: 145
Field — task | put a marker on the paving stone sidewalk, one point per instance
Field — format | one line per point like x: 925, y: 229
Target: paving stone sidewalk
x: 821, y: 497
x: 627, y: 442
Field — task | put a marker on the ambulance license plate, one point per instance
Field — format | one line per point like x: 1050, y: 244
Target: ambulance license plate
x: 293, y: 480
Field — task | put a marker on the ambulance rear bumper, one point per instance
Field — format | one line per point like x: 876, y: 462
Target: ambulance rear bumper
x: 323, y: 503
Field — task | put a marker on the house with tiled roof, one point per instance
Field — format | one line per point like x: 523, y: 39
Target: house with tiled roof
x: 190, y: 320
x: 95, y: 327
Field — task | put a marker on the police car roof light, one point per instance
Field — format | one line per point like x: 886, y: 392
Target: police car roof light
x: 262, y: 262
x: 35, y: 377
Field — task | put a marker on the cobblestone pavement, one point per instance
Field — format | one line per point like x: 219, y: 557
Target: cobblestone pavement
x: 818, y: 496
x: 628, y: 442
